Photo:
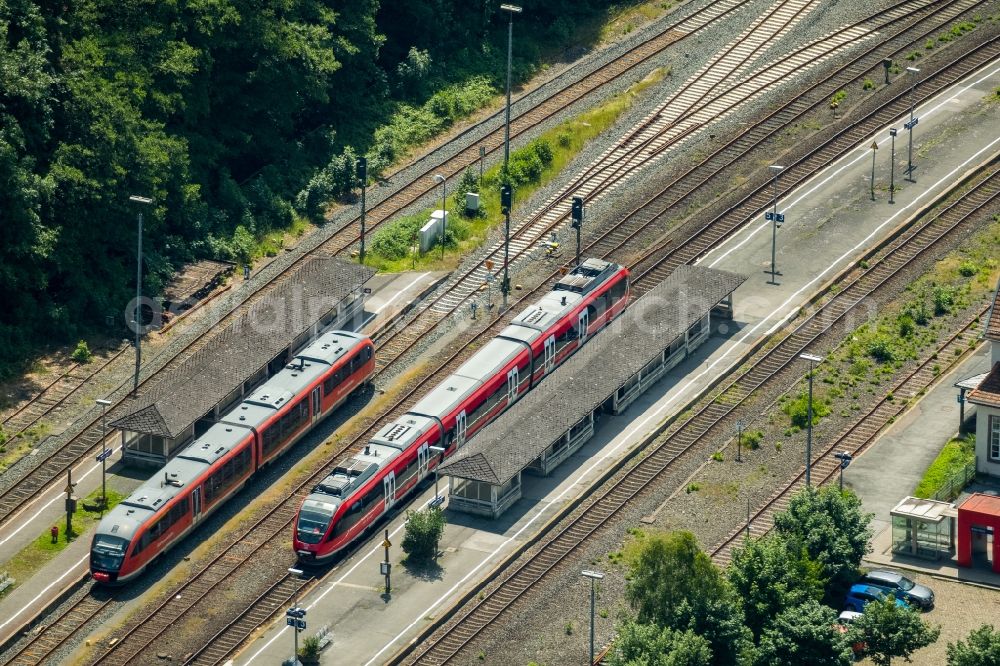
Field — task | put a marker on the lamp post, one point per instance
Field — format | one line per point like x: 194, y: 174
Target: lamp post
x: 295, y: 617
x: 776, y: 222
x: 845, y: 459
x: 593, y: 576
x: 874, y: 148
x: 813, y: 360
x: 146, y: 201
x: 103, y: 456
x: 912, y: 71
x: 505, y: 283
x: 438, y: 178
x: 363, y: 177
x: 892, y: 164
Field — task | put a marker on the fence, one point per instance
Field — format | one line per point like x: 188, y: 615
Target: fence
x: 954, y: 484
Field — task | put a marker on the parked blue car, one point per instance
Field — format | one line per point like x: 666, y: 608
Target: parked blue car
x: 860, y: 595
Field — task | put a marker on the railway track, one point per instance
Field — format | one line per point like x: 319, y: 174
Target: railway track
x: 61, y: 628
x: 251, y: 541
x: 37, y: 476
x: 654, y: 462
x: 602, y: 175
x: 857, y: 437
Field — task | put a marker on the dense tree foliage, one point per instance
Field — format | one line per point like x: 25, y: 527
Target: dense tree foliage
x: 805, y: 634
x: 770, y: 578
x: 649, y: 645
x: 424, y: 529
x: 981, y: 648
x: 673, y: 584
x: 889, y: 630
x: 829, y: 526
x: 222, y: 111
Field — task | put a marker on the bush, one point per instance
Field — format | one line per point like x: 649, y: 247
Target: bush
x: 82, y: 352
x: 424, y: 529
x: 944, y: 299
x: 881, y: 350
x: 954, y: 457
x: 798, y: 410
x: 753, y: 438
x: 967, y: 269
x: 906, y: 326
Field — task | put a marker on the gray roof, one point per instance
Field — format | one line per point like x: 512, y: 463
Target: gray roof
x: 590, y: 376
x: 183, y: 394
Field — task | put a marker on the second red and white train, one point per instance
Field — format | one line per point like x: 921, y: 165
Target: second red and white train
x: 367, y: 485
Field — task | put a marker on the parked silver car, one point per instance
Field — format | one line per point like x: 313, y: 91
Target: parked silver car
x: 920, y: 596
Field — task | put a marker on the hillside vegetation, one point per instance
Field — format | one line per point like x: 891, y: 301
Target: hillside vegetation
x: 237, y: 117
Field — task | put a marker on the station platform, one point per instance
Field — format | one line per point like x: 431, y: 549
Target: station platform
x: 390, y: 294
x: 831, y: 224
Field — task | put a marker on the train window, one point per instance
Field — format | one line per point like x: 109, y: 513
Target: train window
x: 617, y: 291
x: 272, y: 436
x: 368, y: 352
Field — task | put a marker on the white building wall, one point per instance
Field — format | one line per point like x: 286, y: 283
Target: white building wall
x: 984, y: 463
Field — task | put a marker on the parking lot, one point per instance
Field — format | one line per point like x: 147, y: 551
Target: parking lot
x: 959, y: 608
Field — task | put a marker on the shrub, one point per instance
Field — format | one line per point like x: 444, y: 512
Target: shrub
x: 753, y: 438
x: 881, y: 350
x: 717, y: 456
x: 868, y: 84
x: 944, y: 299
x: 837, y: 98
x: 82, y: 352
x: 798, y: 410
x: 967, y: 269
x: 906, y: 325
x: 424, y: 529
x: 310, y: 647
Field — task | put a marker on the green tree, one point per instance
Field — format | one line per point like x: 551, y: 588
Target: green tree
x: 770, y: 578
x: 889, y: 630
x: 649, y: 645
x: 674, y: 584
x: 829, y: 527
x: 424, y: 529
x: 805, y: 634
x: 981, y: 648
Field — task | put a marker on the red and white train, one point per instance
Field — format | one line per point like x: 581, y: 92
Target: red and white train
x: 217, y: 464
x: 367, y: 485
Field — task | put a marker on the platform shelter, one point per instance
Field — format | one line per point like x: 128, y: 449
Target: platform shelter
x: 182, y: 402
x: 616, y: 366
x: 978, y: 529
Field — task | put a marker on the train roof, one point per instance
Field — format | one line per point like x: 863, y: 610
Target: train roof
x: 217, y: 441
x: 330, y: 347
x: 549, y: 309
x: 353, y: 473
x: 586, y: 276
x: 490, y: 359
x: 171, y: 481
x: 403, y: 431
x: 446, y: 396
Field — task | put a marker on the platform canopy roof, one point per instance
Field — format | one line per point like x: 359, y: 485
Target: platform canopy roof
x: 592, y: 375
x: 181, y: 395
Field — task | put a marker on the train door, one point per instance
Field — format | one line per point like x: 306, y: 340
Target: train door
x: 317, y: 404
x: 389, y: 486
x: 195, y: 504
x: 550, y: 353
x: 460, y: 429
x: 583, y: 323
x: 423, y: 457
x: 512, y: 381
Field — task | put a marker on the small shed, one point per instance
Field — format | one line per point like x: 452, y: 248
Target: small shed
x: 923, y: 528
x: 978, y: 528
x: 614, y: 368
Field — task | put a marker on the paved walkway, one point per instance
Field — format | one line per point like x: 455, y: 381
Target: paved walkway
x: 891, y: 469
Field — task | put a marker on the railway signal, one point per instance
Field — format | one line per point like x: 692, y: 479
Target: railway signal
x: 385, y: 568
x: 577, y: 223
x: 887, y: 64
x: 506, y: 203
x: 295, y: 617
x: 363, y: 177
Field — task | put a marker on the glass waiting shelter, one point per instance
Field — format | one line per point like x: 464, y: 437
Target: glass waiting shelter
x: 923, y: 528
